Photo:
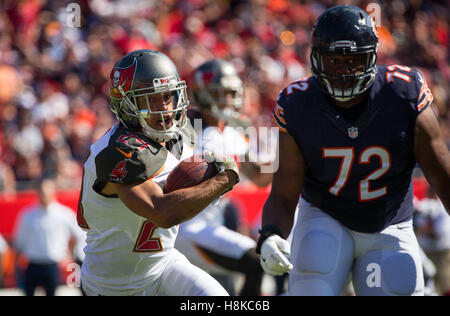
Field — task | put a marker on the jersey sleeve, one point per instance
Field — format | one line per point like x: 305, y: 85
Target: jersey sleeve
x: 279, y: 112
x: 128, y: 162
x: 120, y: 165
x: 422, y: 96
x: 409, y: 85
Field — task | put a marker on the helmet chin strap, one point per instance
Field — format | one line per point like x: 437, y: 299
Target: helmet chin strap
x: 344, y: 95
x: 343, y: 99
x: 160, y: 136
x: 229, y: 116
x: 166, y: 134
x: 361, y: 85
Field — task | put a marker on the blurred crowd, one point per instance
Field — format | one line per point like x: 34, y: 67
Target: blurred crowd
x: 53, y: 92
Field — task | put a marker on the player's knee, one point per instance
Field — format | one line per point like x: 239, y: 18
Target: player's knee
x: 400, y: 274
x: 318, y: 253
x: 310, y: 287
x: 388, y: 272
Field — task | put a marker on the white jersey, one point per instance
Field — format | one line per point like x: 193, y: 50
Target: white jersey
x: 229, y: 142
x: 432, y: 211
x: 124, y: 251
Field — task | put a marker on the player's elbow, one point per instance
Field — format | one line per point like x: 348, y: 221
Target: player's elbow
x: 169, y: 221
x: 166, y: 224
x: 439, y: 179
x: 164, y: 216
x: 262, y: 180
x: 161, y: 221
x: 441, y: 188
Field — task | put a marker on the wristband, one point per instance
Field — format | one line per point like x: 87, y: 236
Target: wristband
x: 266, y: 232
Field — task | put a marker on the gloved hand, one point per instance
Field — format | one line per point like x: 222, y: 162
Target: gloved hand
x: 222, y: 163
x: 275, y: 253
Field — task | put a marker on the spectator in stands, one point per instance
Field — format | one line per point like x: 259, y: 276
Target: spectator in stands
x: 3, y: 248
x: 432, y: 226
x: 7, y: 179
x: 45, y: 233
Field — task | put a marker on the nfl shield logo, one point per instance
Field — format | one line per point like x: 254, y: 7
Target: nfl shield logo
x: 353, y: 132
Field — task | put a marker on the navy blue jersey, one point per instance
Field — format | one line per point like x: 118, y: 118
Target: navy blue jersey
x: 358, y: 170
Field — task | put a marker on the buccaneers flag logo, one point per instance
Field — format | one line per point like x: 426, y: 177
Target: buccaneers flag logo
x: 121, y: 77
x: 120, y: 171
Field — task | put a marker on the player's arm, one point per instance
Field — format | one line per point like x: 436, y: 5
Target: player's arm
x: 166, y: 210
x: 287, y: 184
x: 252, y: 171
x: 279, y: 209
x: 432, y: 154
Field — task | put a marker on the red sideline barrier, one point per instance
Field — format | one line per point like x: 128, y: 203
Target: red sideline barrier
x: 12, y: 205
x: 249, y: 199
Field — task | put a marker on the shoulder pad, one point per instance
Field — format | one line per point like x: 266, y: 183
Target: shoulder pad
x: 129, y: 158
x: 188, y: 134
x: 424, y: 97
x: 295, y: 89
x: 278, y: 115
x: 288, y: 97
x: 409, y: 84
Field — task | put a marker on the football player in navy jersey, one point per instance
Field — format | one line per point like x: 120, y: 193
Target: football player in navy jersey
x: 350, y: 137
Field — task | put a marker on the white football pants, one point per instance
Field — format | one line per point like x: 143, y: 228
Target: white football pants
x: 324, y: 253
x: 216, y: 238
x: 180, y: 278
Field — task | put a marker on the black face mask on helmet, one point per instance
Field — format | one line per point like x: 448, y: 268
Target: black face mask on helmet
x: 344, y: 30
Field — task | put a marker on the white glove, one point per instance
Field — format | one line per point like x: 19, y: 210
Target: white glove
x: 222, y: 163
x: 275, y: 252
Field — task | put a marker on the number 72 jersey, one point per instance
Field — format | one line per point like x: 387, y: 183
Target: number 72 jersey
x: 358, y: 172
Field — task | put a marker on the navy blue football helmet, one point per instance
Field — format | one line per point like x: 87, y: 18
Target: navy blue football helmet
x: 344, y: 30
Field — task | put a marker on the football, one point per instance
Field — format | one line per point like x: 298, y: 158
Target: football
x: 189, y: 172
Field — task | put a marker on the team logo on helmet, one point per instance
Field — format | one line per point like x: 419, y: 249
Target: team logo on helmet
x: 122, y: 79
x: 374, y: 26
x: 116, y: 78
x: 207, y: 77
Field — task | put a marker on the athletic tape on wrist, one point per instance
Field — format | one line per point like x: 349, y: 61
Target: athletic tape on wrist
x: 266, y: 232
